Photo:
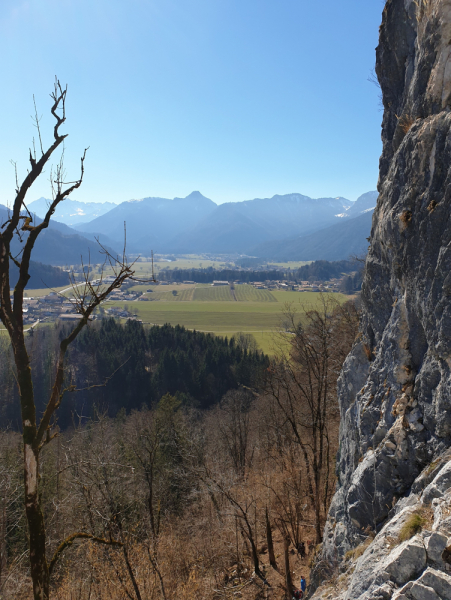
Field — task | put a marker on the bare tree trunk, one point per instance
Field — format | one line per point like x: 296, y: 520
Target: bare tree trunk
x: 18, y: 226
x: 271, y: 554
x: 288, y: 580
x: 131, y: 573
x: 38, y: 564
x: 39, y: 569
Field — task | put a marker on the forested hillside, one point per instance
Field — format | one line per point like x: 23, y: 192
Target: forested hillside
x: 41, y: 276
x: 138, y: 366
x: 172, y: 500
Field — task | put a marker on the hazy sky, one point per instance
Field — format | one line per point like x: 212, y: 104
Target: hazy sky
x: 235, y: 98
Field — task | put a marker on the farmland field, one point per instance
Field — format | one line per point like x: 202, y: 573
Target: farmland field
x: 213, y: 294
x: 247, y: 293
x: 180, y: 295
x: 225, y: 317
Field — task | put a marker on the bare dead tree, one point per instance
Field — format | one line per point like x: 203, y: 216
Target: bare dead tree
x: 288, y: 578
x: 234, y: 420
x: 37, y: 432
x: 270, y: 542
x: 302, y: 384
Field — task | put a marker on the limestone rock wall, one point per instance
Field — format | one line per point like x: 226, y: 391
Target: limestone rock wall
x: 395, y: 387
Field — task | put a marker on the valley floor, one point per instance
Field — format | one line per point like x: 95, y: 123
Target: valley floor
x: 224, y: 317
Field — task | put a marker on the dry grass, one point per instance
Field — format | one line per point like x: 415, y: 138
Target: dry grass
x: 405, y: 122
x: 359, y: 550
x: 413, y: 525
x: 406, y: 217
x: 431, y: 206
x: 433, y: 466
x: 368, y: 352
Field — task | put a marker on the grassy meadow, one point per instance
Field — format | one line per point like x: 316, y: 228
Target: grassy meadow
x: 213, y: 309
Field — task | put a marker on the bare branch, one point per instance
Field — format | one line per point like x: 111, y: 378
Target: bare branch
x: 36, y: 120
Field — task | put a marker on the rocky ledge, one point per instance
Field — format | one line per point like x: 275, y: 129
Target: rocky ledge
x: 410, y: 558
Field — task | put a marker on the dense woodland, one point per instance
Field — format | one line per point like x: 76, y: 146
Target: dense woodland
x: 41, y: 276
x: 323, y: 270
x: 319, y: 270
x: 138, y: 366
x: 204, y: 487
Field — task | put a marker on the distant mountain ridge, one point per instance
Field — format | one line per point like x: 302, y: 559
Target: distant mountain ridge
x: 267, y: 227
x: 347, y: 237
x: 242, y: 225
x: 365, y: 202
x: 151, y: 222
x: 195, y: 224
x: 71, y: 212
x: 337, y: 242
x: 59, y: 244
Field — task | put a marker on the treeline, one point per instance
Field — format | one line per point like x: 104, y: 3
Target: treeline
x: 138, y: 366
x: 323, y: 270
x: 319, y: 270
x: 209, y: 275
x: 41, y: 276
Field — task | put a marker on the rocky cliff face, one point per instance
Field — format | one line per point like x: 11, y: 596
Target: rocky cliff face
x: 395, y: 388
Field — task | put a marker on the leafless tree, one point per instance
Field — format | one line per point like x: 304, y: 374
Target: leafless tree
x: 37, y: 432
x: 234, y: 420
x: 302, y: 384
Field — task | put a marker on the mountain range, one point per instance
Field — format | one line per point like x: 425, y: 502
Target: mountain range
x: 196, y: 225
x: 337, y: 242
x: 284, y: 227
x: 71, y: 212
x: 152, y: 223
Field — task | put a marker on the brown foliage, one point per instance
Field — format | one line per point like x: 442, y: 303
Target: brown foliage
x: 201, y: 505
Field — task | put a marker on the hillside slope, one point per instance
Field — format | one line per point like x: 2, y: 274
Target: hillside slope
x: 41, y: 276
x: 59, y: 245
x: 338, y: 242
x: 239, y: 226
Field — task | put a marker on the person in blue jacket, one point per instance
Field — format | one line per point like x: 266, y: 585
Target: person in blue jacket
x: 303, y: 585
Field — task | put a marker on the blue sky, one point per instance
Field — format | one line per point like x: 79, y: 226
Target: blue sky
x: 235, y: 98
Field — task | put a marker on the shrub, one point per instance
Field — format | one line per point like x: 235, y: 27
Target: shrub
x: 406, y: 217
x: 368, y: 352
x: 405, y: 122
x: 413, y: 525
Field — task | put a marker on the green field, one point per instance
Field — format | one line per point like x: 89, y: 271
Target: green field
x: 143, y: 266
x: 221, y: 310
x: 220, y: 293
x: 226, y: 317
x: 43, y: 292
x: 191, y: 262
x: 293, y: 264
x: 182, y: 295
x: 247, y: 293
